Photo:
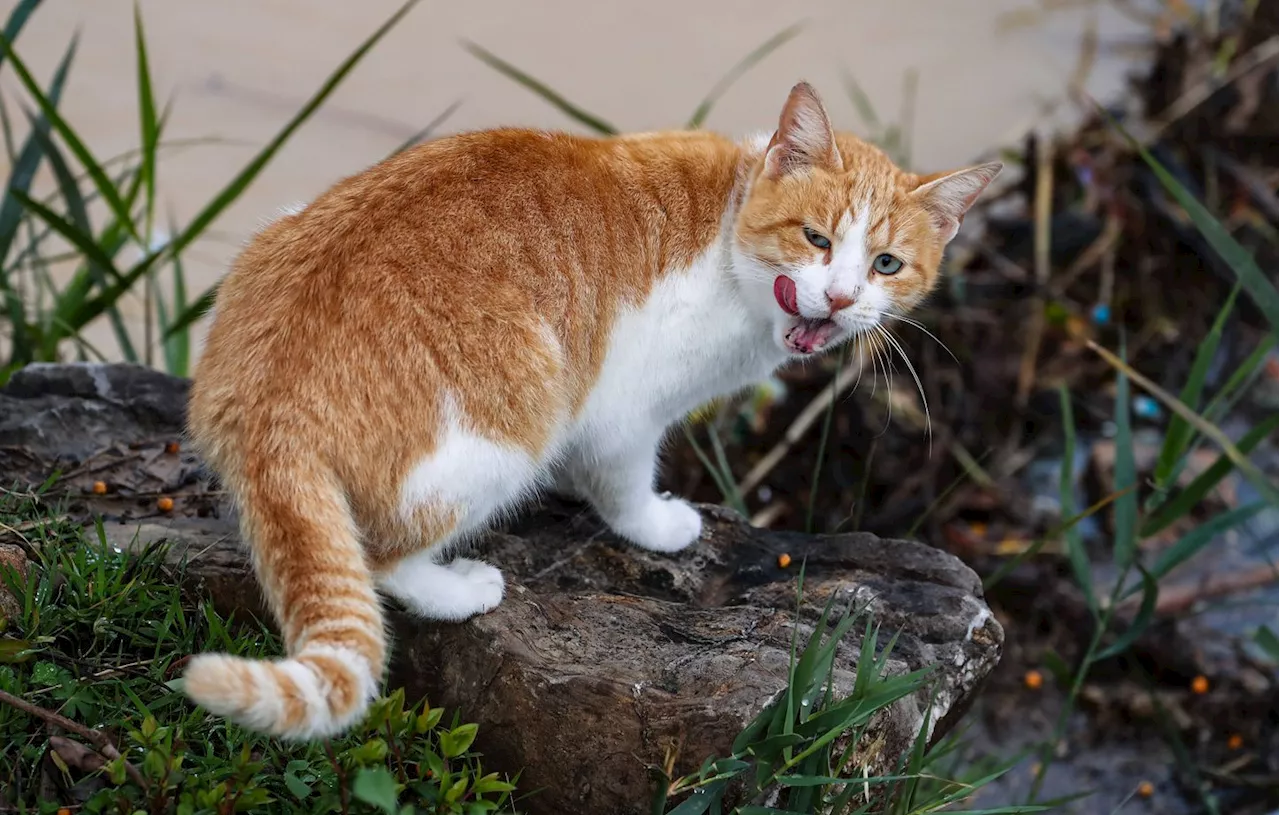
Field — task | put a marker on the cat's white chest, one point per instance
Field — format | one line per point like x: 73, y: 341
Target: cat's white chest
x: 691, y: 341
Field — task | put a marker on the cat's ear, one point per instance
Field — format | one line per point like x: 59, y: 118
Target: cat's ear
x: 804, y: 138
x: 948, y: 196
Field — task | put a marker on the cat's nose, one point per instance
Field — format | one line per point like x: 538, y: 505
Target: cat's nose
x: 839, y: 301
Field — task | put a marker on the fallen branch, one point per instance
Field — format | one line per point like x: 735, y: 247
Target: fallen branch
x: 95, y: 737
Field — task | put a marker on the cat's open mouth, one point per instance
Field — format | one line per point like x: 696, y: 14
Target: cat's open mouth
x: 808, y: 335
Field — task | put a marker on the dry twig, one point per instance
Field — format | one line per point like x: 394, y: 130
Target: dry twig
x: 95, y: 737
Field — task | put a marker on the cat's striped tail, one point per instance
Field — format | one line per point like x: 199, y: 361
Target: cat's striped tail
x: 312, y: 569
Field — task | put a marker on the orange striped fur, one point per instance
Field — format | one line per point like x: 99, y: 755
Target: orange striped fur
x: 493, y: 313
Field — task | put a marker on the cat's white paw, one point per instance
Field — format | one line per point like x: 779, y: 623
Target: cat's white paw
x: 455, y: 591
x: 663, y: 525
x: 484, y: 584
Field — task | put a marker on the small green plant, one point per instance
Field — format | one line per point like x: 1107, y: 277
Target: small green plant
x: 91, y: 718
x: 809, y: 750
x: 42, y: 316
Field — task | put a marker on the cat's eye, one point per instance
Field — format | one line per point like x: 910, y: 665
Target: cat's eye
x: 817, y: 240
x: 887, y: 264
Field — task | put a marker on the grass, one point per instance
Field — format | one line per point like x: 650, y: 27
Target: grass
x: 98, y: 642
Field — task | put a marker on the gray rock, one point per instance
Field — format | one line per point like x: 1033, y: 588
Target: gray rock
x: 603, y: 657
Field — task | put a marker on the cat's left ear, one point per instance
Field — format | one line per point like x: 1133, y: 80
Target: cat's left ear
x: 948, y: 196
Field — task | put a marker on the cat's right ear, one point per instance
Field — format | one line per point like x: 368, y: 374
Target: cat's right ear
x: 804, y: 138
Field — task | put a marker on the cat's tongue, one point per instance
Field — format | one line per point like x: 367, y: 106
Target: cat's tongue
x: 784, y: 291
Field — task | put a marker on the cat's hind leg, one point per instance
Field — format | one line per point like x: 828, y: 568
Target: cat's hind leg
x: 456, y: 590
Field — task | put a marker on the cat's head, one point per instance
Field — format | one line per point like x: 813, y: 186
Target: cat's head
x: 833, y: 239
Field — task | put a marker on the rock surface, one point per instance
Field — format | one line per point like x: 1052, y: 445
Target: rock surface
x: 601, y: 659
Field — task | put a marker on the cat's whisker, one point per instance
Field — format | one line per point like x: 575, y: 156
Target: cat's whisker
x: 924, y: 400
x: 917, y: 324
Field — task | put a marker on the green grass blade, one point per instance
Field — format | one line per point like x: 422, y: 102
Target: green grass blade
x: 425, y: 132
x: 1265, y: 639
x: 68, y: 312
x: 1183, y: 502
x: 1066, y: 481
x: 17, y: 19
x: 1179, y: 434
x: 861, y: 102
x: 47, y: 107
x: 148, y: 122
x: 192, y: 312
x: 237, y: 185
x: 1141, y: 620
x: 79, y: 215
x: 589, y: 120
x: 178, y: 344
x: 1259, y: 285
x: 25, y: 166
x: 1126, y: 510
x: 1200, y: 537
x: 735, y: 73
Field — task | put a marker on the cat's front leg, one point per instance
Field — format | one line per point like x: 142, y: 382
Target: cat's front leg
x: 618, y: 482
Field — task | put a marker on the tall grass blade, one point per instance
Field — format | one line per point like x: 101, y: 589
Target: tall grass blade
x: 250, y: 172
x: 1178, y: 435
x: 736, y: 72
x: 1150, y: 593
x: 108, y: 191
x: 1259, y: 285
x: 67, y: 312
x: 1247, y: 468
x: 148, y: 122
x: 589, y: 120
x: 1183, y: 502
x: 1125, y: 476
x: 430, y: 128
x: 79, y: 215
x: 178, y: 344
x: 17, y: 19
x: 1189, y: 544
x: 191, y: 313
x: 1076, y: 553
x: 20, y: 177
x: 861, y: 102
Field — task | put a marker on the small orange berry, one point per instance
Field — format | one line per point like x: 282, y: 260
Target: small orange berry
x: 1200, y: 685
x: 99, y: 488
x: 784, y: 560
x: 1146, y: 789
x: 165, y: 504
x: 1235, y: 742
x: 1033, y: 679
x: 172, y: 448
x: 64, y: 811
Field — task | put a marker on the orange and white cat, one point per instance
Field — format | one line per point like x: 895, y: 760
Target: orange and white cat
x: 490, y: 314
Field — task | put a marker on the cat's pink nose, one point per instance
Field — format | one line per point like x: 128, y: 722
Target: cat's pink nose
x: 839, y: 302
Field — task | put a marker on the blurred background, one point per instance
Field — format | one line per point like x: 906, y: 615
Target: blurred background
x: 964, y: 77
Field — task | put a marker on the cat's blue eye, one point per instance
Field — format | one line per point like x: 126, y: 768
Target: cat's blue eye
x: 816, y: 239
x: 887, y: 264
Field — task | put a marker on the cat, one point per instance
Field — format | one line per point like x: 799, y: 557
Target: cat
x: 490, y: 314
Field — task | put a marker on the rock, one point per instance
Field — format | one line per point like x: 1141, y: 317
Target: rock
x: 603, y: 657
x: 11, y: 558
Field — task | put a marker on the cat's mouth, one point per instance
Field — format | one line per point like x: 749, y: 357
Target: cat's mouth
x: 807, y: 335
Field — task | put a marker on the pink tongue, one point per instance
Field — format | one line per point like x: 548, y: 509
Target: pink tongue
x: 784, y: 291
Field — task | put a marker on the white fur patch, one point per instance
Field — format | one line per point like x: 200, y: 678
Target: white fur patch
x: 474, y: 475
